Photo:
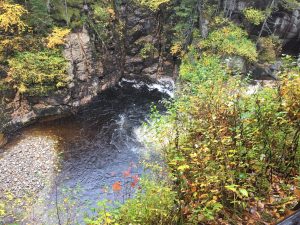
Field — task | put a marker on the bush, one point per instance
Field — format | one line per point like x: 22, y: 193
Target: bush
x: 196, y: 71
x: 153, y: 4
x: 290, y: 4
x: 38, y: 73
x: 11, y: 18
x: 148, y: 50
x: 10, y: 46
x: 254, y: 16
x: 231, y: 152
x: 230, y: 40
x: 57, y: 37
x: 153, y: 203
x: 270, y: 49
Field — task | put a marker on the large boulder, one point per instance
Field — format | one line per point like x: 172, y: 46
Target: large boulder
x: 266, y: 71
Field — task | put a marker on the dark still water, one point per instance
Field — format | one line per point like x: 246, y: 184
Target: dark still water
x: 95, y: 149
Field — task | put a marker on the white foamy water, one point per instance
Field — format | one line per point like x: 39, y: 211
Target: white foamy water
x: 164, y: 85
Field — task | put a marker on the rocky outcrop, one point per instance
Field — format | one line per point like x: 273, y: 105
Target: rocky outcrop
x: 284, y: 22
x: 144, y: 33
x: 287, y: 27
x: 265, y: 71
x: 85, y: 70
x: 85, y: 75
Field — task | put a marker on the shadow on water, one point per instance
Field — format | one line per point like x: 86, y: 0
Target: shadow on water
x: 95, y: 146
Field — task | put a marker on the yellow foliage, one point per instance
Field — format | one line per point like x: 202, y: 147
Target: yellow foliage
x: 176, y: 49
x: 254, y: 16
x: 230, y: 40
x: 17, y: 43
x: 291, y: 95
x: 10, y: 17
x: 57, y: 37
x: 22, y: 88
x: 111, y: 12
x: 9, y: 45
x: 2, y: 209
x: 153, y: 4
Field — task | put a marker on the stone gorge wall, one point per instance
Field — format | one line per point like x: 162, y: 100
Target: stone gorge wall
x: 284, y: 23
x: 93, y: 69
x: 146, y: 28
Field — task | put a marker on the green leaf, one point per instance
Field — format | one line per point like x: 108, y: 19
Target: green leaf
x: 244, y: 192
x: 232, y: 187
x: 183, y: 167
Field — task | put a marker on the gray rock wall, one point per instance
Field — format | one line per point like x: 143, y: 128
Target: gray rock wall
x: 93, y: 69
x: 143, y: 27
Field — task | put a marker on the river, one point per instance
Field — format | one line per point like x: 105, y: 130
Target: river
x: 65, y: 166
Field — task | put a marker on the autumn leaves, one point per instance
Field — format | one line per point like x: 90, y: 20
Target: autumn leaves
x: 130, y: 181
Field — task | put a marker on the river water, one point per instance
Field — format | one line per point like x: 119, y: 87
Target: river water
x: 95, y: 149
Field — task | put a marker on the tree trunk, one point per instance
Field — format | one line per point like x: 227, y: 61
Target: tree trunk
x: 200, y: 16
x: 66, y: 12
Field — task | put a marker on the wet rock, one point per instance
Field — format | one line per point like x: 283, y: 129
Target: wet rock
x: 236, y: 63
x: 151, y: 69
x: 266, y: 71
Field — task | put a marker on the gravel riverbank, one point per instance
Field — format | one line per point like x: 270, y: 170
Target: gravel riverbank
x: 27, y: 166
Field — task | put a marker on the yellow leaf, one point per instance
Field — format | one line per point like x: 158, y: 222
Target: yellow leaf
x: 183, y: 167
x: 10, y: 17
x: 57, y: 37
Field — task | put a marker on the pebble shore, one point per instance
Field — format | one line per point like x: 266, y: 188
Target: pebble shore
x: 26, y: 167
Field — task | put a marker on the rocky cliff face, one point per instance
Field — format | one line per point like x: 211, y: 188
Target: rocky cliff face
x: 84, y: 74
x: 284, y: 22
x: 287, y: 27
x: 144, y: 33
x: 93, y: 69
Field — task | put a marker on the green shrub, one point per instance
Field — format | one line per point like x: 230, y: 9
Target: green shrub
x: 39, y: 19
x: 270, y: 49
x: 230, y: 40
x: 101, y: 19
x: 153, y: 203
x: 148, y: 50
x: 199, y: 71
x: 230, y: 151
x: 290, y: 4
x: 152, y: 4
x: 101, y: 13
x: 254, y: 16
x: 37, y: 73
